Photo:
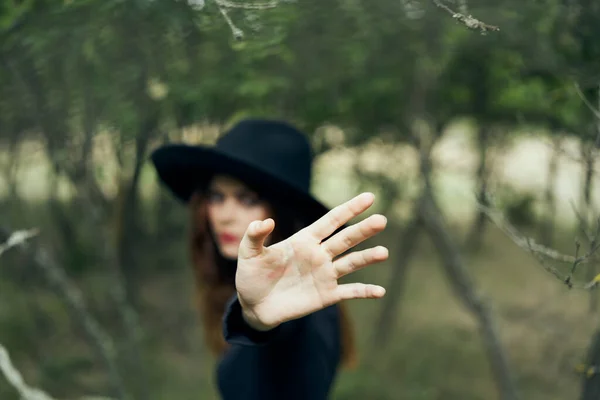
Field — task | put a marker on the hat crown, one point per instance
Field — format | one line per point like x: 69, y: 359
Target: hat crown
x: 275, y: 147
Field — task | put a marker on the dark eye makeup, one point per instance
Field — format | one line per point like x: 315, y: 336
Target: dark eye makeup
x: 214, y: 195
x: 248, y: 198
x: 244, y: 197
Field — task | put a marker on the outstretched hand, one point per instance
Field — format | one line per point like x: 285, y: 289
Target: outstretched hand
x: 299, y: 275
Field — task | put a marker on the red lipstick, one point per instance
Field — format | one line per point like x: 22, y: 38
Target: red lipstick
x: 227, y: 238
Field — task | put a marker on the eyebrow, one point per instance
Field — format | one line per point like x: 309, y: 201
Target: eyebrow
x: 237, y: 191
x: 246, y: 191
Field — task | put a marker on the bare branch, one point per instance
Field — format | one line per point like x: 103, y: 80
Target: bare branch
x: 73, y: 298
x: 18, y: 238
x: 539, y: 251
x: 467, y: 20
x: 237, y: 32
x: 587, y: 102
x: 582, y: 222
x: 15, y: 379
x: 523, y: 242
x: 224, y: 5
x: 248, y: 6
x: 565, y: 153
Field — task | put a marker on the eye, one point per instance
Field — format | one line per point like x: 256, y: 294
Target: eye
x: 214, y: 196
x: 248, y: 199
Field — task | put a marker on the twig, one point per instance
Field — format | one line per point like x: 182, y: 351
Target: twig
x: 586, y: 102
x: 248, y: 6
x: 18, y: 238
x: 73, y: 298
x: 14, y: 377
x: 523, y: 242
x: 224, y: 5
x: 582, y: 222
x: 467, y: 20
x: 237, y: 32
x: 10, y: 372
x: 575, y: 158
x: 538, y: 250
x: 565, y: 153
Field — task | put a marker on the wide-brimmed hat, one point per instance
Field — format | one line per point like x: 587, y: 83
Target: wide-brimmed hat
x: 272, y: 157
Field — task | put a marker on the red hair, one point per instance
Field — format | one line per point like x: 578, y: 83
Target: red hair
x: 213, y: 287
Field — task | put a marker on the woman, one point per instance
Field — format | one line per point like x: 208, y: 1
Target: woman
x: 267, y: 257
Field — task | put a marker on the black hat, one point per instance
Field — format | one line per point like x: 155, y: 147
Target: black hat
x: 272, y: 157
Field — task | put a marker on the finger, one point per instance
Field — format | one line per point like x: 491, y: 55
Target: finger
x: 355, y: 234
x: 339, y: 215
x: 359, y: 259
x: 351, y: 291
x: 252, y: 244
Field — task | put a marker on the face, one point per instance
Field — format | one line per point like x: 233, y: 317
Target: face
x: 231, y: 208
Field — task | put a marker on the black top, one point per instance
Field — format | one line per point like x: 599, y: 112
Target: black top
x: 297, y: 360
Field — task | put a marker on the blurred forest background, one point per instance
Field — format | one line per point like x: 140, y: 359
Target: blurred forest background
x: 474, y: 139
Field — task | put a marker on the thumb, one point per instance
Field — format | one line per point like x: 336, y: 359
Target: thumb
x: 252, y: 243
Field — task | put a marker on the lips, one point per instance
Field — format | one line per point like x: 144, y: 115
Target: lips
x: 228, y: 238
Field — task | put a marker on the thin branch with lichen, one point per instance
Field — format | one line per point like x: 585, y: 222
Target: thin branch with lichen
x: 225, y: 5
x: 15, y: 379
x: 539, y: 251
x: 583, y: 223
x: 237, y: 32
x: 73, y: 298
x: 10, y: 372
x: 583, y: 98
x: 248, y: 6
x: 17, y: 238
x: 468, y: 20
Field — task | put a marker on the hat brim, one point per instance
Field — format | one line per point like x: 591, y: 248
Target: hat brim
x: 184, y: 169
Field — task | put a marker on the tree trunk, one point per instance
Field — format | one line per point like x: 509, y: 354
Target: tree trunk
x: 465, y: 291
x: 462, y: 285
x: 547, y: 226
x: 475, y: 237
x: 126, y: 221
x: 590, y: 384
x: 587, y: 154
x: 126, y: 266
x: 389, y: 312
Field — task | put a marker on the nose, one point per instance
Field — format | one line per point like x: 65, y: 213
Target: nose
x: 227, y: 211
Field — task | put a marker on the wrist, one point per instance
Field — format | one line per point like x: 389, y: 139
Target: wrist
x: 253, y: 321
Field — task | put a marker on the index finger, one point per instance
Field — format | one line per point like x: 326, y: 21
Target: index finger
x: 338, y: 216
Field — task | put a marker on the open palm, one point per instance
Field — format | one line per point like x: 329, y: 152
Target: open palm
x: 299, y: 275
